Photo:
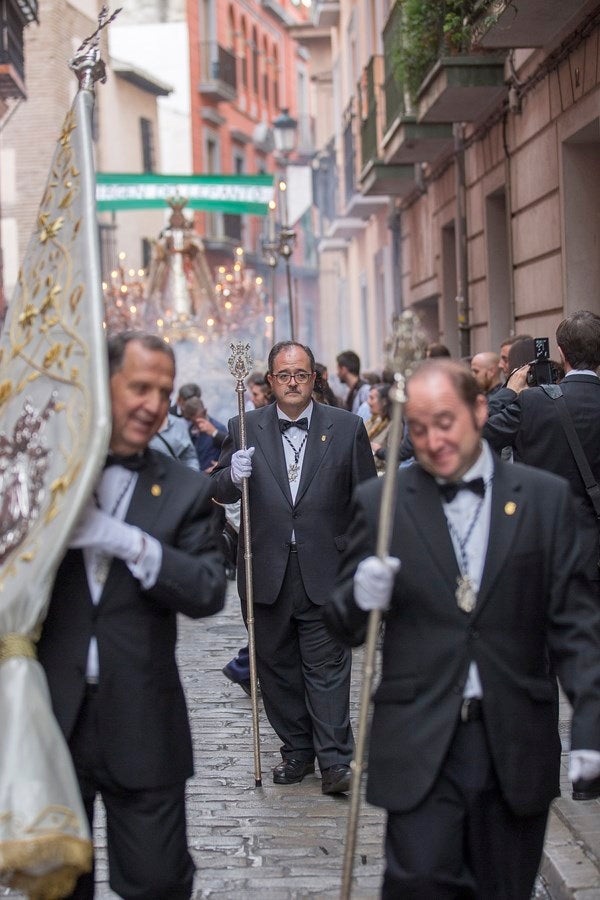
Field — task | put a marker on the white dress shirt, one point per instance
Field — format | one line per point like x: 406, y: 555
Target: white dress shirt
x: 459, y: 515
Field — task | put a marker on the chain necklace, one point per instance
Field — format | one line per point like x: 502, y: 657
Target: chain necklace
x: 294, y: 468
x: 103, y: 561
x: 465, y: 594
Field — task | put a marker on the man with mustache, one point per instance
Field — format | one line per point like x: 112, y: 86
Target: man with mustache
x: 303, y: 461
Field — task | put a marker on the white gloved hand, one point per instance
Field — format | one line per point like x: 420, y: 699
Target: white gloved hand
x: 373, y: 582
x: 241, y: 465
x: 584, y: 765
x: 97, y: 530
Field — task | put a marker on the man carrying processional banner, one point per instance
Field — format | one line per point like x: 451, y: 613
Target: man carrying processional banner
x: 54, y: 429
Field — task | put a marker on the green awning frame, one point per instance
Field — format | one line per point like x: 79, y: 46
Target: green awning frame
x: 235, y: 194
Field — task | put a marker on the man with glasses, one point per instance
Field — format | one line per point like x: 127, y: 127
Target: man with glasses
x: 303, y: 461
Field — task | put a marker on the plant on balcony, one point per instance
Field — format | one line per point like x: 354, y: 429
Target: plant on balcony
x: 426, y: 30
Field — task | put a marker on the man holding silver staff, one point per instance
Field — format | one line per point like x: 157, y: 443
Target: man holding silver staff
x: 303, y: 462
x: 144, y: 550
x: 486, y: 597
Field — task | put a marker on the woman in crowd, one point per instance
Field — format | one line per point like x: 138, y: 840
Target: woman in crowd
x: 378, y: 424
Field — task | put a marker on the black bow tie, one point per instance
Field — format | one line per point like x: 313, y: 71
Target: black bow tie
x: 451, y: 488
x: 134, y: 463
x: 284, y: 424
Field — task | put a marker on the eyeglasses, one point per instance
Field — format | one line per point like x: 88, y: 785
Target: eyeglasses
x: 286, y: 377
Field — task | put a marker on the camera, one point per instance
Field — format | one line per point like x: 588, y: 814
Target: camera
x: 541, y: 370
x: 535, y: 353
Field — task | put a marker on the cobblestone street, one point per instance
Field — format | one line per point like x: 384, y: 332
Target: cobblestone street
x: 286, y: 843
x: 279, y: 842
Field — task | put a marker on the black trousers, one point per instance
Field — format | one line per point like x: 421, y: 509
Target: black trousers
x: 148, y: 857
x: 463, y: 842
x: 304, y: 675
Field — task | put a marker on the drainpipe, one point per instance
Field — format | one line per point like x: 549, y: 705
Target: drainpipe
x: 509, y: 231
x: 460, y: 243
x: 395, y: 226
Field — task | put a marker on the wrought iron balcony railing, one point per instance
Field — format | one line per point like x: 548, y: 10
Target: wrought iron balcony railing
x: 218, y: 77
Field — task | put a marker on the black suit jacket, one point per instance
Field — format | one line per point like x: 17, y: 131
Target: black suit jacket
x: 531, y: 425
x: 143, y: 724
x: 337, y: 458
x: 534, y: 604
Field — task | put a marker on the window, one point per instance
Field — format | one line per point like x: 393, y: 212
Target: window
x: 147, y: 145
x: 244, y: 55
x: 255, y: 75
x: 275, y: 78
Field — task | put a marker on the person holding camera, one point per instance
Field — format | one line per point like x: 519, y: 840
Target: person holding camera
x: 533, y: 425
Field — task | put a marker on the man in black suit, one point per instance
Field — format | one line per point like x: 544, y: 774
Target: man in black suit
x: 303, y: 462
x: 143, y: 551
x: 487, y: 597
x: 531, y: 423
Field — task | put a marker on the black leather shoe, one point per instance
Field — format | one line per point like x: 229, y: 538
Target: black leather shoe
x: 586, y: 790
x: 336, y: 779
x: 292, y: 770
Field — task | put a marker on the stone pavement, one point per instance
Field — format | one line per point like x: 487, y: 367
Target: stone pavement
x: 571, y: 863
x: 286, y: 843
x: 274, y: 842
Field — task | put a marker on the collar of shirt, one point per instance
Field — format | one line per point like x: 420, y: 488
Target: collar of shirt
x: 306, y: 413
x: 115, y: 482
x: 483, y: 467
x: 581, y: 372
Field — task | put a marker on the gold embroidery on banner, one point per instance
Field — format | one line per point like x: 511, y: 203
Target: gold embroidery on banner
x: 43, y: 340
x: 12, y: 645
x: 67, y: 856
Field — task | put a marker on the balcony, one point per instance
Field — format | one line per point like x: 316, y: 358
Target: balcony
x: 461, y: 89
x: 326, y: 13
x: 529, y: 23
x: 380, y: 178
x: 349, y: 146
x: 218, y: 80
x: 409, y: 141
x: 377, y: 177
x: 431, y: 71
x: 405, y: 141
x: 345, y: 228
x: 13, y: 18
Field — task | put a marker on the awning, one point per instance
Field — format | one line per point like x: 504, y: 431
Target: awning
x: 236, y: 194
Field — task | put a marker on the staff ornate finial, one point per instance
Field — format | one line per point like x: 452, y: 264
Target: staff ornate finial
x: 87, y: 64
x: 240, y: 361
x: 405, y: 348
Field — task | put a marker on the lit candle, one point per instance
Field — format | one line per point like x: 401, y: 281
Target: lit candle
x: 272, y: 221
x: 284, y: 210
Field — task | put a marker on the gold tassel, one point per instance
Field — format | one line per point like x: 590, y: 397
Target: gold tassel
x: 13, y: 644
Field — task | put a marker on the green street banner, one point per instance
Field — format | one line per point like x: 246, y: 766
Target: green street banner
x: 236, y: 194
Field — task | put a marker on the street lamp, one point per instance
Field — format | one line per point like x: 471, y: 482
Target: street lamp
x: 284, y: 133
x: 284, y: 136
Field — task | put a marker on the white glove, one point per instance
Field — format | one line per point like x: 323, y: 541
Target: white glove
x: 99, y: 531
x: 584, y: 765
x: 373, y: 582
x: 241, y: 465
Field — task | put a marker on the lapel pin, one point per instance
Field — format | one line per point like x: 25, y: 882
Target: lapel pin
x: 510, y: 508
x: 156, y: 490
x: 323, y: 437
